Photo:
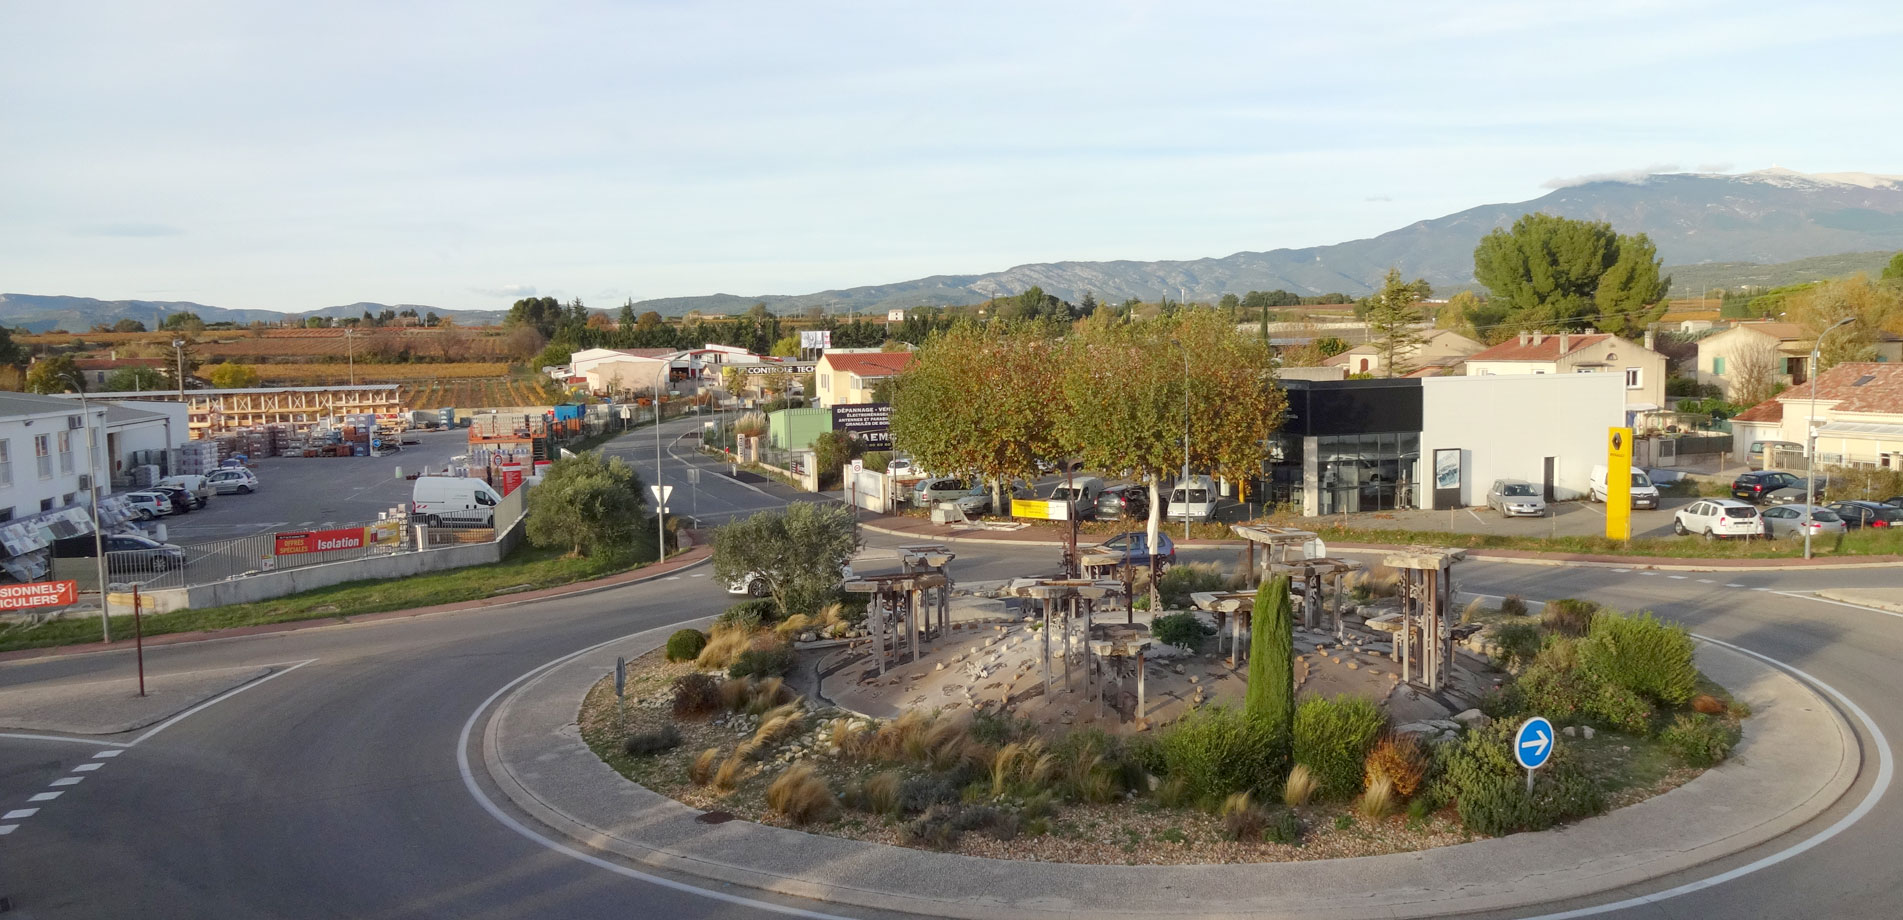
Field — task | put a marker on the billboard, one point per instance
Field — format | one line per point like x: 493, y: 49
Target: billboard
x: 33, y: 595
x: 815, y: 339
x: 1040, y: 510
x: 317, y: 541
x: 869, y: 422
x: 1619, y: 484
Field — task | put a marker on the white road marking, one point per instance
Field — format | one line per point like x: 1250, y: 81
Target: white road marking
x: 6, y: 829
x: 1706, y: 581
x: 105, y: 754
x: 1676, y: 577
x: 1885, y: 772
x: 27, y: 736
x: 68, y: 781
x: 19, y: 813
x: 46, y: 796
x: 672, y: 578
x: 1760, y: 589
x: 698, y: 575
x: 1734, y: 585
x: 87, y: 767
x: 1623, y: 571
x: 1647, y: 573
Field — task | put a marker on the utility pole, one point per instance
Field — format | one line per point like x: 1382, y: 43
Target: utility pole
x: 1810, y: 438
x: 178, y: 348
x: 660, y: 515
x: 92, y: 495
x: 350, y: 353
x: 1186, y: 444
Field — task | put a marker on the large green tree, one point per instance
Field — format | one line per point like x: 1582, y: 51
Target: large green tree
x: 1558, y: 274
x: 57, y: 374
x: 1871, y: 308
x: 133, y: 379
x: 1393, y: 315
x: 980, y: 400
x: 590, y: 504
x: 797, y: 552
x: 1893, y: 272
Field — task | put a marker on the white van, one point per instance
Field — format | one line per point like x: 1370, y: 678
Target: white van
x: 454, y: 500
x: 1081, y: 494
x: 1193, y: 499
x: 1644, y: 493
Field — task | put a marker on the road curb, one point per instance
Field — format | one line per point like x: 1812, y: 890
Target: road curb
x: 1654, y: 563
x: 650, y: 573
x: 533, y: 753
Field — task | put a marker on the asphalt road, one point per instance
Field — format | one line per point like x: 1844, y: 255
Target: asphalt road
x: 333, y: 790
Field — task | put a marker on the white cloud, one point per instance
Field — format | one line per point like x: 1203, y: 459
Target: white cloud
x: 1629, y: 176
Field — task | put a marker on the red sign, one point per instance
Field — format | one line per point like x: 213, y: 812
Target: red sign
x: 511, y: 477
x: 318, y: 541
x: 38, y: 594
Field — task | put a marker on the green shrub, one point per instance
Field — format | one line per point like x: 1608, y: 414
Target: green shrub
x: 685, y: 645
x: 1642, y: 654
x: 1568, y: 616
x: 647, y: 744
x: 1333, y: 737
x: 1699, y: 740
x: 770, y: 661
x: 1182, y: 630
x: 1271, y: 691
x: 1616, y: 707
x: 696, y: 696
x: 1283, y: 828
x: 1181, y: 581
x: 1513, y: 605
x: 1218, y: 751
x: 1488, y: 787
x: 1518, y: 643
x: 751, y: 614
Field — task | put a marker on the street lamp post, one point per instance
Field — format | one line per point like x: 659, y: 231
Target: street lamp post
x: 99, y: 539
x: 1186, y: 444
x: 1810, y: 435
x: 350, y: 353
x: 660, y: 506
x: 178, y: 349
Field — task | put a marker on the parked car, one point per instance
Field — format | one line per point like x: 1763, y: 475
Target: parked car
x: 1790, y: 521
x: 133, y: 554
x: 182, y: 501
x: 977, y: 499
x: 1516, y: 498
x: 937, y: 489
x: 1762, y: 451
x: 1645, y: 494
x: 1081, y: 494
x: 1772, y: 487
x: 899, y: 466
x: 1135, y: 545
x: 1128, y: 501
x: 236, y: 479
x: 755, y: 583
x: 1897, y: 501
x: 1718, y: 517
x: 198, y: 487
x: 1193, y: 499
x: 149, y: 505
x: 1861, y: 514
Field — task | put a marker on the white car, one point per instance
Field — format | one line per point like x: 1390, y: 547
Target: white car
x: 1718, y: 517
x: 754, y: 584
x: 149, y: 505
x: 232, y: 480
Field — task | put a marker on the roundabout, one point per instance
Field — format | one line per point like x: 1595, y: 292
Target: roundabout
x: 387, y: 777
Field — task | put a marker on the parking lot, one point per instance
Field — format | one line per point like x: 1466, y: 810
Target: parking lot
x: 1564, y: 519
x: 313, y: 493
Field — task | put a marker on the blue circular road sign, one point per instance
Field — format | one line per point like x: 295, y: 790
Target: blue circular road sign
x: 1533, y: 743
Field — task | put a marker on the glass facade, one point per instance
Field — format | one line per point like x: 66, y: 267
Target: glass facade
x: 1367, y: 472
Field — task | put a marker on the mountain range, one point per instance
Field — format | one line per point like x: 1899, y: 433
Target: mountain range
x: 1777, y: 222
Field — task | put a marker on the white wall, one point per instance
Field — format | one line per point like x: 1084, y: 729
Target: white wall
x: 1506, y: 425
x: 28, y: 489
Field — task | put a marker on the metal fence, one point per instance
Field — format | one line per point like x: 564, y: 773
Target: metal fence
x: 212, y: 561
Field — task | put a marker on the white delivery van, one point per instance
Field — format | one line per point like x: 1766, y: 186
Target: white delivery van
x: 1644, y: 493
x: 454, y: 501
x: 1193, y: 499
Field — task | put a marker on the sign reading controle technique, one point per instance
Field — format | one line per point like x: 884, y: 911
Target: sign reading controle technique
x: 38, y: 594
x: 764, y: 368
x: 318, y: 541
x: 871, y: 423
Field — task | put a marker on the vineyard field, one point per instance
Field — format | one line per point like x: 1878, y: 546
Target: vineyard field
x: 331, y: 374
x: 475, y: 393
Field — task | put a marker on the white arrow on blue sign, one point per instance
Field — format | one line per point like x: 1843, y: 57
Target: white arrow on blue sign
x: 1533, y: 743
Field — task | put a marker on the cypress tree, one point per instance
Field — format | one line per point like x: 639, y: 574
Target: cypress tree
x: 1271, y: 693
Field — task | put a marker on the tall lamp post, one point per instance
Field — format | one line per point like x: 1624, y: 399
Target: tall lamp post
x: 1810, y: 434
x: 92, y: 494
x: 1183, y: 483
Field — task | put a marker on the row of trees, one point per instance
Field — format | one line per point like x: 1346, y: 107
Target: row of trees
x: 997, y: 398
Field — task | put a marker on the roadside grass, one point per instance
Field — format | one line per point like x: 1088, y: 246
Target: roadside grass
x: 528, y: 568
x: 1855, y: 543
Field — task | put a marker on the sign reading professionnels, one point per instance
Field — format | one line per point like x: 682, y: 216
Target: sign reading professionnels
x: 869, y: 422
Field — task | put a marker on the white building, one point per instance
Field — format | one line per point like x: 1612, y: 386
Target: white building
x: 47, y: 474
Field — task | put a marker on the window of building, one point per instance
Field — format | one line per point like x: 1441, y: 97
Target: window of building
x: 67, y: 499
x: 6, y: 463
x: 1634, y: 380
x: 1367, y: 472
x: 46, y: 504
x: 825, y: 381
x: 65, y: 453
x: 1718, y: 365
x: 43, y: 454
x: 6, y: 514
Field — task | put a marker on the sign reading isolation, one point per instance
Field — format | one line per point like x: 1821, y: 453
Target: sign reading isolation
x: 869, y: 422
x: 38, y: 594
x: 318, y: 541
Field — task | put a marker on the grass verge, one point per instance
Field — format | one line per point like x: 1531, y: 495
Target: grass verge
x: 1855, y: 543
x: 528, y: 568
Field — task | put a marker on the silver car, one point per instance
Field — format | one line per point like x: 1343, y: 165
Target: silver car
x: 1516, y: 498
x: 1790, y: 521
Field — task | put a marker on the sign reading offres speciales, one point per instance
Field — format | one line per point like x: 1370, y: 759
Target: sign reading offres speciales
x: 318, y: 541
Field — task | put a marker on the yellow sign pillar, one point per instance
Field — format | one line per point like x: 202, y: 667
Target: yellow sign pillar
x: 1619, y: 484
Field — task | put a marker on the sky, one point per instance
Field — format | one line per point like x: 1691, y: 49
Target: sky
x: 291, y: 156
